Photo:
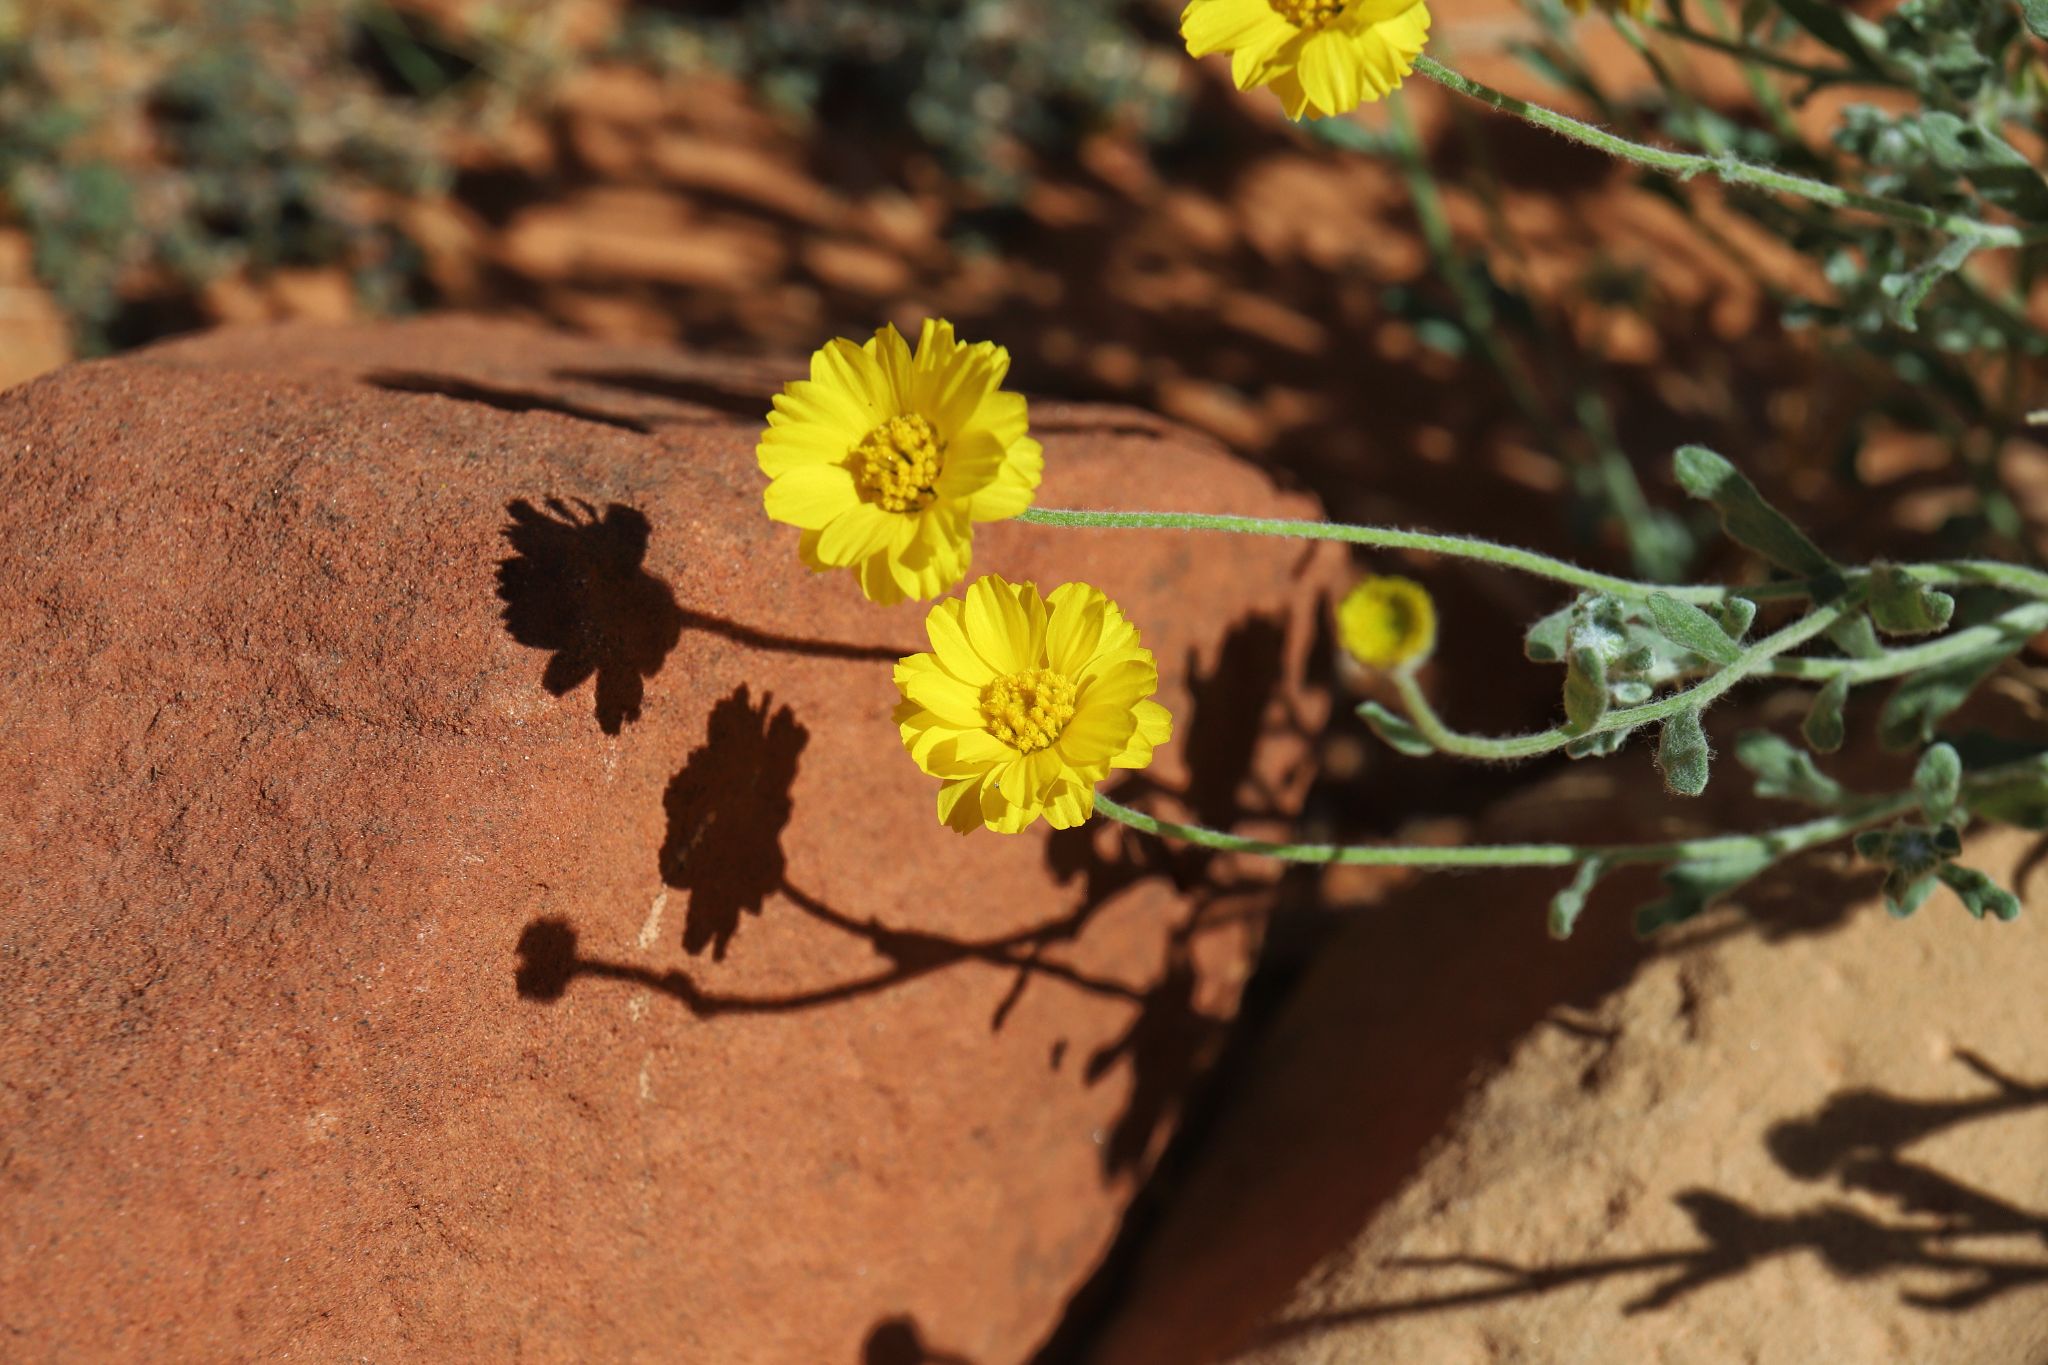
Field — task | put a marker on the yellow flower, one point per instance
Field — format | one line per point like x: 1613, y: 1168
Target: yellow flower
x: 1387, y: 622
x: 1019, y: 710
x: 886, y: 461
x: 1321, y: 57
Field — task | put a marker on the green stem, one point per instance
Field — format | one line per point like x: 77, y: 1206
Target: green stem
x: 1730, y: 169
x: 1457, y: 547
x: 1424, y: 717
x: 1999, y: 633
x: 1778, y: 843
x: 1781, y: 842
x: 1948, y: 573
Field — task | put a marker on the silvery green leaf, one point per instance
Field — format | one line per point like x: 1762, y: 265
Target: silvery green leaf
x: 1745, y: 515
x: 1682, y: 754
x: 1785, y: 772
x: 1686, y: 626
x: 1585, y: 688
x: 1936, y: 781
x: 1979, y: 894
x: 1395, y: 731
x: 1544, y: 643
x: 1901, y: 606
x: 1920, y: 703
x: 1570, y: 901
x: 1698, y: 884
x: 1823, y: 728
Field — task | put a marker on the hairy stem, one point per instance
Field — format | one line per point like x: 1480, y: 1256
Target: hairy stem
x: 1778, y: 843
x: 1781, y: 842
x: 1457, y: 547
x: 1700, y: 694
x: 1730, y: 169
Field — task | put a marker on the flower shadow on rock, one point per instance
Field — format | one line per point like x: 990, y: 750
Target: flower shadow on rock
x: 574, y: 584
x: 726, y: 812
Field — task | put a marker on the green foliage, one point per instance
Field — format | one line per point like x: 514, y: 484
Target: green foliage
x: 1745, y: 516
x: 1785, y: 772
x: 1682, y: 754
x: 1395, y: 731
x: 975, y: 80
x: 252, y: 141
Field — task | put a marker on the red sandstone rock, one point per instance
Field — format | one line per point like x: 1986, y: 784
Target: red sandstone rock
x: 467, y: 899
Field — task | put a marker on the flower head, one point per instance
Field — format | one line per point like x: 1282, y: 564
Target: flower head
x: 886, y: 460
x: 1025, y: 702
x: 1387, y: 622
x: 1321, y: 57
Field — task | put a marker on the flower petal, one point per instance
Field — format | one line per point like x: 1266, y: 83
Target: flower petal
x: 1000, y: 627
x: 859, y: 530
x: 811, y: 496
x: 1074, y: 630
x: 920, y: 679
x: 1224, y: 25
x: 1155, y: 727
x: 892, y: 356
x: 1330, y: 72
x: 942, y: 625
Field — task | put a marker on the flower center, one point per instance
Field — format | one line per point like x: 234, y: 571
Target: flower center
x: 1028, y: 710
x: 1308, y: 15
x: 897, y: 463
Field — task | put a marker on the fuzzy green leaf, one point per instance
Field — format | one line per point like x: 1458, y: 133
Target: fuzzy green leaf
x: 1698, y: 884
x: 1585, y: 688
x: 1686, y: 626
x: 1856, y: 637
x: 2020, y: 800
x: 1745, y: 516
x: 1936, y: 781
x: 1395, y: 731
x: 1901, y: 606
x: 2035, y: 12
x: 1822, y: 729
x: 1570, y: 901
x: 1920, y: 703
x: 1905, y: 891
x: 1682, y: 754
x: 1979, y: 894
x: 1905, y: 290
x: 1736, y: 615
x: 1785, y: 772
x: 1544, y: 642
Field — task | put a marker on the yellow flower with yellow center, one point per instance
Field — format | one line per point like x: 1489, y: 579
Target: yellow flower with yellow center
x: 885, y: 460
x: 1321, y: 57
x: 1387, y: 622
x: 1026, y: 702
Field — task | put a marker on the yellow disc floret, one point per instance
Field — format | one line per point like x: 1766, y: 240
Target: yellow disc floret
x: 897, y: 464
x: 1387, y: 622
x: 1307, y: 14
x: 1028, y: 710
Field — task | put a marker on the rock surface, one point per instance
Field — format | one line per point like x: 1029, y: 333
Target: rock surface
x: 467, y: 900
x: 1808, y: 1133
